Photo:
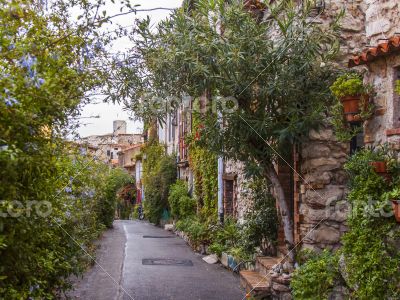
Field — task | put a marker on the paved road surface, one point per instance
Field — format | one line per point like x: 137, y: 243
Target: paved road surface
x: 121, y: 253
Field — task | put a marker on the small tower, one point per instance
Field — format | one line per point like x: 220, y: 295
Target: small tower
x: 119, y: 127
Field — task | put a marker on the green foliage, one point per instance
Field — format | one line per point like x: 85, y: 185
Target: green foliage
x: 397, y: 88
x: 349, y: 84
x: 159, y: 173
x: 370, y: 247
x: 198, y: 232
x: 204, y: 164
x: 117, y: 179
x: 126, y: 198
x: 344, y: 131
x: 39, y: 265
x: 261, y: 222
x: 316, y: 278
x: 180, y: 204
x: 46, y: 74
x: 281, y: 87
x: 371, y: 256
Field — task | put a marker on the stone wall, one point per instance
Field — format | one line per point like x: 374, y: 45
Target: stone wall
x: 242, y: 192
x: 382, y: 19
x: 322, y: 205
x: 322, y: 208
x: 382, y: 75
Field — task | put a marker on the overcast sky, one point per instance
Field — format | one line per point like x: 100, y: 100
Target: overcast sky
x: 110, y: 112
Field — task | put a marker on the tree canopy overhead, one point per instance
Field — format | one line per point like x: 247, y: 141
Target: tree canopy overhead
x: 278, y: 69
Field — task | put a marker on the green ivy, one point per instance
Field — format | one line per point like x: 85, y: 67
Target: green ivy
x: 204, y: 165
x: 372, y: 260
x: 159, y: 173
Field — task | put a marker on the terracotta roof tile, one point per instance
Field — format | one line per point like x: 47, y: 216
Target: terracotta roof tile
x: 391, y: 46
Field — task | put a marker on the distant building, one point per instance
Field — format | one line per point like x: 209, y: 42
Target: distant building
x: 108, y: 147
x: 127, y: 157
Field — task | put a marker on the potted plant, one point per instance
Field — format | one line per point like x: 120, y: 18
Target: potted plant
x: 394, y: 197
x: 380, y: 167
x: 353, y: 95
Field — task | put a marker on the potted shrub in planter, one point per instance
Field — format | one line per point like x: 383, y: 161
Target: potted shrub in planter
x: 353, y: 95
x: 394, y: 197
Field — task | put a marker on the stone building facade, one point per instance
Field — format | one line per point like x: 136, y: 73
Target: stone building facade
x: 107, y: 147
x: 320, y: 205
x: 369, y: 42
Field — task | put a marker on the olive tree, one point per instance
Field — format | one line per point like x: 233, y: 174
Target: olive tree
x: 278, y: 71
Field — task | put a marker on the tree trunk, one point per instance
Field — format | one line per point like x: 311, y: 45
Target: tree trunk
x: 284, y: 210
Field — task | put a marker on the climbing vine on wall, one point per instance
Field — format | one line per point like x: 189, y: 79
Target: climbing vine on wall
x: 205, y: 170
x: 370, y: 254
x: 368, y: 263
x: 159, y: 173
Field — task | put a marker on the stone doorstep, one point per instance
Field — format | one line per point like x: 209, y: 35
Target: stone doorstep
x: 255, y: 283
x: 264, y: 264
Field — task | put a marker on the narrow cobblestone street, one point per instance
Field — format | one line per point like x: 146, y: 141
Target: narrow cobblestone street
x: 142, y: 240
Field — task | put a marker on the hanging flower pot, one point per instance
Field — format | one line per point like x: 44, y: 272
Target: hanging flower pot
x: 396, y: 209
x: 380, y: 167
x: 352, y: 106
x: 350, y: 90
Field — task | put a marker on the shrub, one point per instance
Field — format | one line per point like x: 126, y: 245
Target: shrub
x: 369, y: 247
x: 159, y: 173
x: 116, y: 179
x: 187, y: 206
x: 38, y: 265
x: 260, y: 228
x: 126, y: 198
x: 197, y: 231
x: 180, y: 204
x: 316, y: 278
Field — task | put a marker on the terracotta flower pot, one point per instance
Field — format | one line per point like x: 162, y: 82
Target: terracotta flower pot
x: 396, y: 209
x: 380, y: 167
x: 351, y: 107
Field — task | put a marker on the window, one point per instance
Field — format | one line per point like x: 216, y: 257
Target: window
x: 229, y: 198
x: 357, y: 143
x: 108, y: 152
x: 112, y: 155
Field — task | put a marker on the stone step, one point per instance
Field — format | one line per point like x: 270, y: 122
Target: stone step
x: 264, y: 264
x: 255, y: 283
